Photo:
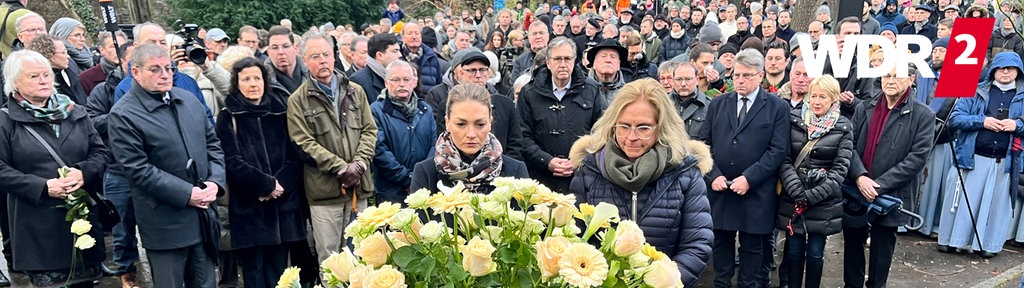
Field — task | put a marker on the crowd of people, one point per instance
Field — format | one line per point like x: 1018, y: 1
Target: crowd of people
x: 697, y: 119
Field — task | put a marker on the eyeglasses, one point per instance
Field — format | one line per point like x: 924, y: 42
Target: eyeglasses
x: 35, y: 30
x: 476, y: 71
x: 158, y: 69
x: 402, y: 79
x: 643, y: 132
x: 562, y: 60
x: 746, y: 76
x: 319, y: 56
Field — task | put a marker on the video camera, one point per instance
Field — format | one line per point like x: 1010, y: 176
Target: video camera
x: 194, y: 50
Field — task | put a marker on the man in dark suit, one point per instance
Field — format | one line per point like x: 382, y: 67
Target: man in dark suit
x: 172, y: 203
x: 748, y: 131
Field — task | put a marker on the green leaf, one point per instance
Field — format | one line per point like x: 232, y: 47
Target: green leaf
x: 404, y: 256
x: 506, y: 255
x: 424, y: 266
x: 613, y: 277
x: 524, y: 278
x: 455, y: 272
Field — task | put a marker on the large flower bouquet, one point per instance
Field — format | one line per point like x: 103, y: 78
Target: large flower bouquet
x: 520, y: 235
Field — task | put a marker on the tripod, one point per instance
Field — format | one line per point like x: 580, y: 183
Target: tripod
x: 960, y: 179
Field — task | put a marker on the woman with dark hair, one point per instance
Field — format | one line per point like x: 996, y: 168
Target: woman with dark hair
x: 495, y: 41
x: 467, y: 151
x: 639, y: 150
x: 264, y: 173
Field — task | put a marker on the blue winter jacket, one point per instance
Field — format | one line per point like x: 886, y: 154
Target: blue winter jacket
x: 894, y: 18
x: 673, y: 211
x: 968, y: 116
x: 401, y: 144
x: 429, y: 67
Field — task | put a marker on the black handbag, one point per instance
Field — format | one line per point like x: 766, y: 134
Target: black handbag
x: 103, y: 207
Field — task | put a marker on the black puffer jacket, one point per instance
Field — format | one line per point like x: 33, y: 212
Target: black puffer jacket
x: 673, y: 210
x: 831, y: 155
x: 672, y: 47
x: 550, y: 126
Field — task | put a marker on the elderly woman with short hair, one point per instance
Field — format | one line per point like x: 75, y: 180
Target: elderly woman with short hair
x: 42, y: 238
x: 810, y: 206
x: 639, y: 157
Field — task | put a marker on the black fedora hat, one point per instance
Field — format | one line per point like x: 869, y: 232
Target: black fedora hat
x: 608, y: 44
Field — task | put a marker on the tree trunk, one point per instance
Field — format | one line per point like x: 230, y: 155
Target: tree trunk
x: 803, y: 13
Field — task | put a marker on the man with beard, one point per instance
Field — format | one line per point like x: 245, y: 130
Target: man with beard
x: 590, y: 39
x: 940, y: 160
x: 558, y: 107
x: 919, y: 25
x: 638, y: 66
x: 538, y: 36
x: 661, y: 26
x: 424, y: 58
x: 742, y: 32
x: 384, y: 49
x: 652, y: 43
x: 768, y: 30
x: 690, y: 102
x: 607, y: 59
x: 783, y: 30
x: 677, y: 43
x: 776, y: 59
x: 626, y: 18
x: 891, y: 14
x: 406, y: 133
x: 869, y: 26
x: 815, y: 30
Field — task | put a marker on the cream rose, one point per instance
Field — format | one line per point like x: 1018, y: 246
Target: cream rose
x: 476, y: 257
x: 80, y: 227
x: 549, y: 252
x: 431, y: 231
x: 559, y: 216
x: 340, y: 264
x: 403, y: 218
x: 358, y: 274
x: 490, y: 209
x: 385, y: 277
x: 85, y: 242
x: 374, y: 250
x: 663, y: 273
x: 418, y: 199
x: 629, y: 239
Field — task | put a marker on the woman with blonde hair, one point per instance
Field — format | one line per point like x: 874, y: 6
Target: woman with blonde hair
x: 639, y: 157
x: 810, y: 206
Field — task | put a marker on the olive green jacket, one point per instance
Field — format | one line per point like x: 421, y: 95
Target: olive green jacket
x: 315, y: 127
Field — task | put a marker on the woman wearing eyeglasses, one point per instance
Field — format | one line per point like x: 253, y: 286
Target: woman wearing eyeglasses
x: 810, y: 206
x: 639, y: 157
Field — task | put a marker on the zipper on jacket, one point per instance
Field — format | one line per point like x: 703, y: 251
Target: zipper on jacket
x: 634, y: 207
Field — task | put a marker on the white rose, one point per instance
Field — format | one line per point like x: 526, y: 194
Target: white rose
x: 401, y: 219
x: 418, y: 199
x: 628, y: 239
x: 663, y: 273
x: 431, y: 231
x: 80, y: 227
x: 501, y: 194
x: 492, y: 209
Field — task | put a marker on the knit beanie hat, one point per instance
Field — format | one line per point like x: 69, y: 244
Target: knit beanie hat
x: 710, y: 33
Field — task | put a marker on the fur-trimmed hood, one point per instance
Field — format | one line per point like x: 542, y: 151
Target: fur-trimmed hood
x: 589, y: 144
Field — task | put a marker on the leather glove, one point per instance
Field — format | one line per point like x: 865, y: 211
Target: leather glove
x: 350, y: 176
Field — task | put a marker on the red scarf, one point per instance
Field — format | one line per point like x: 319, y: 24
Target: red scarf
x: 878, y: 119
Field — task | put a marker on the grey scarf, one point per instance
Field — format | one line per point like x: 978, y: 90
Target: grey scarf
x: 632, y: 175
x: 376, y: 67
x: 82, y: 57
x: 109, y: 67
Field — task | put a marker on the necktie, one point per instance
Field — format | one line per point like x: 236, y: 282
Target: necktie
x: 743, y: 109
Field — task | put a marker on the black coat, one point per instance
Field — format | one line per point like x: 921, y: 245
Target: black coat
x: 258, y: 154
x: 505, y: 126
x: 754, y: 149
x: 903, y: 149
x: 370, y: 81
x: 72, y: 88
x: 426, y: 176
x: 98, y: 105
x: 41, y: 237
x: 824, y: 214
x: 550, y: 126
x: 148, y: 144
x: 673, y: 210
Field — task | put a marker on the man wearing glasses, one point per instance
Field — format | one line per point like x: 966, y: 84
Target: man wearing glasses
x: 175, y: 168
x: 407, y: 132
x: 748, y: 131
x: 558, y: 107
x: 329, y: 118
x: 382, y: 49
x: 471, y: 66
x: 690, y: 102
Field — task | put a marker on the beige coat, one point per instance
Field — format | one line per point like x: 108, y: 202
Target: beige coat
x: 314, y: 126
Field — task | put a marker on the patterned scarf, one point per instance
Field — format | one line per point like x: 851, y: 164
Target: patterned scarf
x: 816, y: 127
x: 482, y: 170
x: 58, y: 108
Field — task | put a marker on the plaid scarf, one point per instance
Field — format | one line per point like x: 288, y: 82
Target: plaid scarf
x: 482, y: 170
x: 816, y: 127
x: 58, y: 108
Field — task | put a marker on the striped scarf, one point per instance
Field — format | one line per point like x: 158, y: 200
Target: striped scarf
x: 58, y: 108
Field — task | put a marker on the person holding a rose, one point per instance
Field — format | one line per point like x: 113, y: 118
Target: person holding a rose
x: 639, y: 158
